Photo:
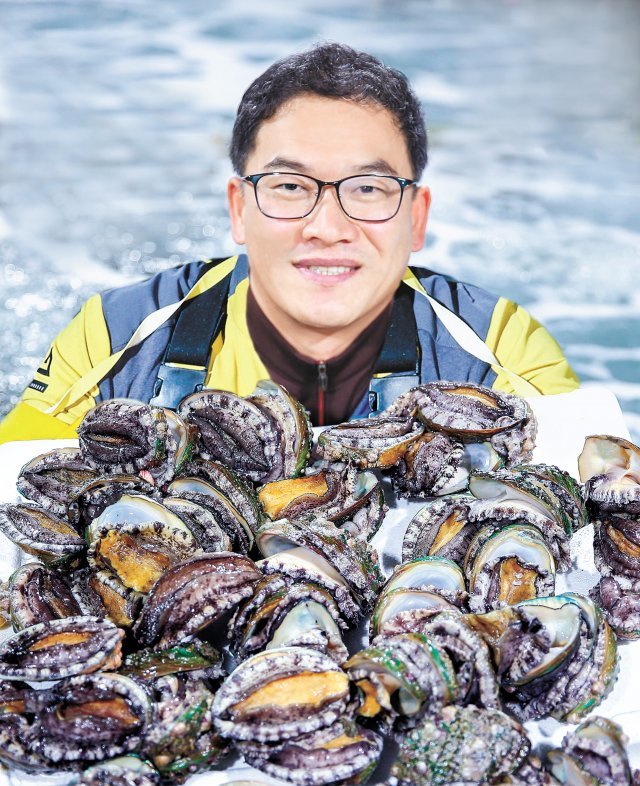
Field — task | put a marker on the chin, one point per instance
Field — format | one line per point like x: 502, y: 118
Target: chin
x: 324, y: 324
x: 327, y: 311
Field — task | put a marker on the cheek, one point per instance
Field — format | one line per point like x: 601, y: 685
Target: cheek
x: 393, y: 245
x: 268, y: 237
x: 270, y: 254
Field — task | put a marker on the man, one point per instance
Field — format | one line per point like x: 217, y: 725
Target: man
x: 329, y: 146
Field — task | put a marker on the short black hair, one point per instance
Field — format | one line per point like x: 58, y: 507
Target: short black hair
x: 334, y: 71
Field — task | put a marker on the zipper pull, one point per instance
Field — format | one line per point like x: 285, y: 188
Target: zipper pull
x: 323, y: 379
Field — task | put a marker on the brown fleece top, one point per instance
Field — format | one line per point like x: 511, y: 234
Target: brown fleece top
x: 347, y: 375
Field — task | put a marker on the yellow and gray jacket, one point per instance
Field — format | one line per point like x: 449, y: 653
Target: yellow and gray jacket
x: 115, y: 346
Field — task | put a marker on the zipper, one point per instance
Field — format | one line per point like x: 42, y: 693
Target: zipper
x: 323, y: 381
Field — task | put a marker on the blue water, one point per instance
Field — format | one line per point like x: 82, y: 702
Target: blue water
x: 115, y: 119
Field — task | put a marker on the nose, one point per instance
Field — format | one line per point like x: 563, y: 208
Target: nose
x: 328, y: 221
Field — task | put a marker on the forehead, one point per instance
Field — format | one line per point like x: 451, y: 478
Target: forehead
x: 330, y: 138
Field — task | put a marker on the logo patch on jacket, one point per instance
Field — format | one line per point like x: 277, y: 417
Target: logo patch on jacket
x: 45, y: 368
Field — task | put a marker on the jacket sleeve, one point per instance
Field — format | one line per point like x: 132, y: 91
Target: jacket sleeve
x: 82, y: 344
x: 523, y: 345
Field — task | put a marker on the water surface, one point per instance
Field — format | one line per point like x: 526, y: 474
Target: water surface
x: 115, y: 119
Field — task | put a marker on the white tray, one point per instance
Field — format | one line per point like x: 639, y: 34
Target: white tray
x: 563, y: 423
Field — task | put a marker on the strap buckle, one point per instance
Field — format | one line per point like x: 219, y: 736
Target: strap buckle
x: 383, y: 391
x: 174, y: 383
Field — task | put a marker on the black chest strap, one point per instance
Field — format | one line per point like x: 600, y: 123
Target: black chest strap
x: 186, y: 360
x: 399, y: 359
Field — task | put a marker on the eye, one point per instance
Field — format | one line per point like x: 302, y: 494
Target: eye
x: 288, y: 185
x: 369, y: 188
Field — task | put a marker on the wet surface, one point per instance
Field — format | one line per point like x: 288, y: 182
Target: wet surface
x: 115, y: 119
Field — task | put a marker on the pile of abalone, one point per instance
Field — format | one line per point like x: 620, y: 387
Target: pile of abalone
x: 192, y: 575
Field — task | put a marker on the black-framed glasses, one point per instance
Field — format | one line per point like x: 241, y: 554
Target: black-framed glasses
x: 289, y: 195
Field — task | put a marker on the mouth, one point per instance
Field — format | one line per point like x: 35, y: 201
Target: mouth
x: 327, y: 270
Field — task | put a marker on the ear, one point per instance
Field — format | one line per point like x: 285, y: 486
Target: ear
x: 236, y: 200
x: 419, y: 214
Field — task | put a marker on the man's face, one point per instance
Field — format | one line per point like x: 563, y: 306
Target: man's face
x: 327, y: 272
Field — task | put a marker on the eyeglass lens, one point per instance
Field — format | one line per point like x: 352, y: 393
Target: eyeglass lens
x: 364, y: 197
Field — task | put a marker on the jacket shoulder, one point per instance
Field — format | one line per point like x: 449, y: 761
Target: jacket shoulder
x: 125, y: 307
x: 472, y: 303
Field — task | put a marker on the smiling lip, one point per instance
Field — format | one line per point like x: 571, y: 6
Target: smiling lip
x: 327, y: 270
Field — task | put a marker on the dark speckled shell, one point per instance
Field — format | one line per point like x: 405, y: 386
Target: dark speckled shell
x: 123, y: 435
x: 266, y: 667
x: 420, y: 677
x: 294, y: 428
x: 423, y: 529
x: 616, y: 539
x: 375, y: 442
x: 71, y: 729
x: 28, y: 656
x: 51, y: 479
x: 470, y: 746
x: 428, y: 465
x: 294, y: 569
x: 39, y: 594
x: 192, y: 594
x: 266, y: 616
x: 472, y: 412
x: 178, y: 737
x: 38, y: 531
x: 234, y: 431
x: 620, y: 607
x: 354, y: 560
x: 306, y: 761
x: 597, y: 749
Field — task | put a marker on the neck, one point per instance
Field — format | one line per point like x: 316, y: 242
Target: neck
x: 316, y: 343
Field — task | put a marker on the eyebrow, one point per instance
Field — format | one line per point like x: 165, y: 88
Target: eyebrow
x: 284, y: 164
x: 378, y: 166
